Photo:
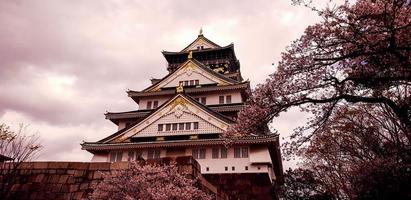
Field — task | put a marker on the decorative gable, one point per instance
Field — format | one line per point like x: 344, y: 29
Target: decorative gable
x: 179, y: 110
x: 193, y: 73
x: 199, y: 44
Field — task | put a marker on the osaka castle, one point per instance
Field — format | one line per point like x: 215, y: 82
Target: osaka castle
x: 185, y: 113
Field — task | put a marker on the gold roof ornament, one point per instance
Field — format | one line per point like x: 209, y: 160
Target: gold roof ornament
x: 180, y: 88
x: 190, y: 55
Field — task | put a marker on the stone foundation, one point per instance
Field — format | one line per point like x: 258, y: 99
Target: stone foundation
x: 75, y: 180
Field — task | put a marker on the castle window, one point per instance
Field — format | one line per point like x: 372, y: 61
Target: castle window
x: 191, y: 82
x: 148, y: 104
x: 202, y: 153
x: 185, y: 83
x: 237, y: 152
x: 221, y: 99
x: 223, y: 152
x: 139, y: 155
x: 116, y: 156
x: 215, y: 152
x: 188, y: 126
x: 153, y: 153
x: 228, y: 99
x: 226, y: 168
x: 134, y: 155
x: 246, y: 168
x: 181, y: 126
x: 168, y: 127
x: 232, y: 168
x: 195, y: 125
x: 197, y: 82
x: 244, y: 152
x: 241, y: 152
x: 199, y: 153
x: 160, y: 127
x: 207, y: 169
x: 194, y: 153
x: 130, y: 156
x: 174, y: 127
x: 155, y: 104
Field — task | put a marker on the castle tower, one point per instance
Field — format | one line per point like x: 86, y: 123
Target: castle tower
x: 185, y: 112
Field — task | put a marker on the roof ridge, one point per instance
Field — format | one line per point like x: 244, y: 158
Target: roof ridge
x: 198, y: 38
x: 199, y: 64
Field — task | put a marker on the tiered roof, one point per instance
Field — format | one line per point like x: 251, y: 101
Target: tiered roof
x: 167, y: 87
x: 210, y: 54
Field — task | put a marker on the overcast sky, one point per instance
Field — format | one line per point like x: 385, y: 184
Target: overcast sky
x: 64, y: 63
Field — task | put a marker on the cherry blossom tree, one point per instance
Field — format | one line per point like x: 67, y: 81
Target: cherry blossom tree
x: 362, y: 150
x: 151, y: 182
x: 352, y: 72
x: 358, y: 53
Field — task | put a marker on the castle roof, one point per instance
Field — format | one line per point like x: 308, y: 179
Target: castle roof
x: 136, y: 95
x: 257, y: 139
x: 176, y: 100
x: 116, y: 116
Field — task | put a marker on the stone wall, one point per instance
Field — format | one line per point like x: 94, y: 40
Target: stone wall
x: 75, y: 180
x: 251, y: 186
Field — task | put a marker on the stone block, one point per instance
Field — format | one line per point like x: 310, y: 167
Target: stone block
x: 84, y: 186
x: 78, y: 165
x: 99, y: 166
x: 90, y: 175
x: 63, y: 178
x: 39, y: 178
x: 26, y: 165
x: 61, y: 171
x: 119, y: 165
x: 54, y: 178
x: 79, y: 173
x: 40, y: 165
x: 79, y: 180
x: 73, y: 187
x: 58, y: 165
x: 56, y: 188
x: 78, y: 195
x: 65, y: 188
x: 51, y: 171
x: 71, y: 180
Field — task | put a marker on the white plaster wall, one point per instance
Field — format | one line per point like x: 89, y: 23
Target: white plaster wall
x: 199, y: 43
x: 260, y: 155
x: 217, y: 165
x: 213, y: 98
x: 143, y: 101
x: 99, y: 158
x: 203, y: 79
